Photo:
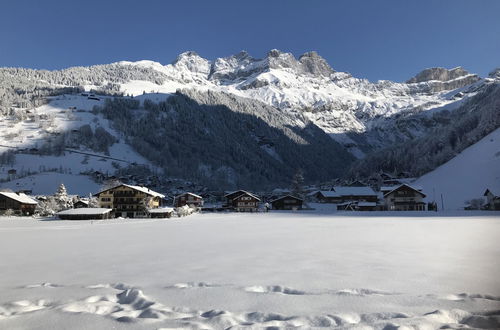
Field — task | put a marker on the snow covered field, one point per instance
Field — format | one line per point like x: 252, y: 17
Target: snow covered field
x: 216, y: 271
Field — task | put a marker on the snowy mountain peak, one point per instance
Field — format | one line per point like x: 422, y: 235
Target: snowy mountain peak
x: 495, y: 74
x: 314, y: 64
x: 440, y: 74
x: 192, y: 62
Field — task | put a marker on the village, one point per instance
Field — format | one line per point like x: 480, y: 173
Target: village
x: 121, y: 200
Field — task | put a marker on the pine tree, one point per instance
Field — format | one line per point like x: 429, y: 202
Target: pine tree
x: 297, y: 183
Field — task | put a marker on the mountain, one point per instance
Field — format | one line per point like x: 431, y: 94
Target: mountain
x: 267, y: 117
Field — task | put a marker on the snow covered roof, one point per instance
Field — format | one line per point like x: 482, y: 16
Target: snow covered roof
x: 139, y: 188
x: 20, y: 197
x: 347, y: 191
x: 354, y: 191
x: 161, y: 210
x: 404, y: 185
x: 286, y: 196
x: 495, y: 193
x: 192, y: 194
x: 367, y: 204
x: 85, y: 210
x: 238, y: 193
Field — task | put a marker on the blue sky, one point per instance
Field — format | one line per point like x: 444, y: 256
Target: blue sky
x: 391, y: 39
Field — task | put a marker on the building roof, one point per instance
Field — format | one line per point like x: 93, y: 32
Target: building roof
x: 138, y: 188
x: 86, y: 211
x: 354, y: 191
x: 20, y: 197
x: 161, y: 210
x: 405, y: 185
x: 286, y: 196
x: 239, y: 193
x: 494, y: 193
x: 341, y: 191
x: 190, y: 193
x: 367, y: 204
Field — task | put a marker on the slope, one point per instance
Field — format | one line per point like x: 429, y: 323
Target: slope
x: 467, y: 175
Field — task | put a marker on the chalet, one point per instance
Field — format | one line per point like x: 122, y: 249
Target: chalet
x: 85, y: 214
x: 404, y: 198
x: 80, y: 204
x: 242, y: 201
x: 161, y: 212
x: 18, y: 202
x: 190, y: 199
x: 492, y: 199
x: 342, y: 194
x: 357, y: 206
x: 287, y: 202
x: 129, y: 201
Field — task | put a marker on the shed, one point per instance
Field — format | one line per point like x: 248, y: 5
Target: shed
x: 97, y: 213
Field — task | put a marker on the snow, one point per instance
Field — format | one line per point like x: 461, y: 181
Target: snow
x: 85, y: 210
x: 161, y: 210
x: 466, y: 176
x: 276, y: 269
x: 22, y: 198
x: 47, y: 183
x: 142, y: 189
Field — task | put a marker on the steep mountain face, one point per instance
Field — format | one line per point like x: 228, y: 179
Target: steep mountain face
x: 341, y: 105
x: 293, y: 96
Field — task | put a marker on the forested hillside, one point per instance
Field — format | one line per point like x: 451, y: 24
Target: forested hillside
x: 227, y: 141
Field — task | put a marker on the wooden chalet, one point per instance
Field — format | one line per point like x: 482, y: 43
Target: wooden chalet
x: 20, y: 203
x: 404, y: 198
x: 190, y: 199
x: 287, y: 202
x: 85, y: 213
x: 492, y: 199
x: 161, y: 212
x: 80, y: 204
x: 129, y: 201
x: 242, y: 201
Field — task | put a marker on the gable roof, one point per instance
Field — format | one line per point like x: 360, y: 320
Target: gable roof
x: 286, y: 196
x: 138, y: 188
x: 86, y: 210
x: 354, y: 191
x: 494, y: 193
x: 404, y: 185
x: 239, y: 193
x: 19, y: 197
x: 190, y: 193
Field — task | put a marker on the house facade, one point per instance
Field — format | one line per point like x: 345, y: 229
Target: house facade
x: 492, y: 199
x: 20, y: 203
x: 129, y: 201
x: 189, y: 199
x: 242, y: 201
x: 404, y: 198
x: 287, y: 202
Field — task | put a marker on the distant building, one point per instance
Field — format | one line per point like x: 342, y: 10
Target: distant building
x: 358, y: 206
x: 287, y: 202
x: 85, y: 214
x: 129, y: 201
x: 342, y: 194
x: 242, y: 201
x: 20, y: 203
x: 190, y: 199
x: 404, y: 198
x: 80, y: 204
x: 492, y: 199
x: 161, y: 212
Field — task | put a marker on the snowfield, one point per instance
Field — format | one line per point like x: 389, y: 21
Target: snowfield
x: 268, y: 270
